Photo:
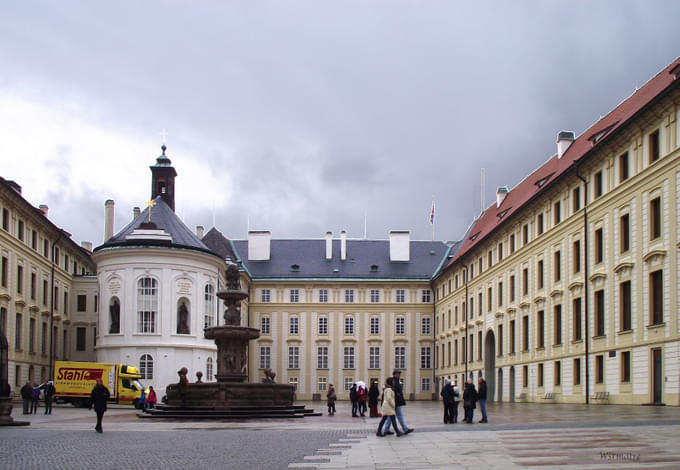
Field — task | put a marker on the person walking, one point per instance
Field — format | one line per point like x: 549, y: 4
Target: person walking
x: 99, y: 396
x: 373, y: 394
x: 26, y: 396
x: 353, y: 399
x: 48, y: 392
x: 330, y: 399
x: 362, y: 396
x: 481, y: 396
x: 388, y: 409
x: 447, y: 400
x: 469, y: 400
x: 151, y: 399
x: 35, y: 398
x: 400, y: 403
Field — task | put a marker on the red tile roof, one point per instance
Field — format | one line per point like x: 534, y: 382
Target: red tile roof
x: 539, y: 180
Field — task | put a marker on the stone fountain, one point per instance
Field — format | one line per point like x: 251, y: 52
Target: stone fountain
x: 231, y: 396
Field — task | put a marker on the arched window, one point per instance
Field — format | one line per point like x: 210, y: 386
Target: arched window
x: 114, y: 316
x: 147, y: 305
x: 183, y: 317
x: 209, y: 369
x: 146, y: 366
x: 209, y: 312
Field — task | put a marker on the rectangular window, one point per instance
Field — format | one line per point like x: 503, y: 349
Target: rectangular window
x: 525, y: 279
x: 3, y: 321
x: 55, y: 299
x: 599, y: 369
x: 623, y: 167
x: 500, y: 251
x: 425, y: 325
x: 295, y: 295
x: 599, y: 246
x: 400, y: 357
x: 540, y: 375
x: 82, y: 303
x: 5, y: 219
x: 577, y: 371
x: 578, y: 321
x: 539, y: 274
x: 18, y: 333
x: 489, y: 299
x: 43, y: 339
x: 349, y: 296
x: 20, y: 230
x: 265, y: 357
x: 576, y: 199
x: 66, y: 305
x: 348, y: 357
x: 624, y: 223
x: 375, y: 296
x: 20, y: 279
x: 323, y: 384
x: 348, y: 382
x: 656, y: 297
x: 374, y: 357
x: 294, y: 382
x: 576, y: 262
x: 323, y: 296
x: 349, y: 325
x: 33, y: 281
x: 512, y: 288
x: 294, y: 325
x: 427, y: 294
x: 654, y: 146
x: 44, y: 293
x: 599, y: 313
x: 265, y: 325
x: 489, y: 259
x: 512, y: 243
x: 375, y: 325
x: 598, y: 188
x: 500, y: 339
x: 323, y: 325
x: 525, y: 376
x: 512, y: 337
x: 625, y: 306
x: 322, y: 357
x: 425, y: 384
x: 5, y: 271
x: 293, y: 357
x: 625, y: 366
x: 81, y: 335
x: 539, y: 224
x: 46, y: 248
x: 400, y: 326
x: 557, y: 265
x: 425, y: 357
x: 31, y: 335
x: 557, y: 319
x: 525, y: 234
x: 557, y: 212
x: 500, y: 294
x: 540, y: 329
x: 34, y: 240
x: 525, y: 333
x: 455, y: 352
x: 401, y: 296
x: 265, y: 296
x: 655, y: 218
x: 558, y: 373
x: 480, y: 309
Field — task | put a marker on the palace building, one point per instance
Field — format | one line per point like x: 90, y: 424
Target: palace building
x: 563, y: 290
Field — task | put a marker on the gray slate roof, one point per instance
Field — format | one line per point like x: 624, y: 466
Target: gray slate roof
x: 164, y: 218
x: 310, y: 256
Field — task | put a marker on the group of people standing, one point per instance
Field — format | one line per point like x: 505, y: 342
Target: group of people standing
x: 451, y: 397
x: 30, y: 395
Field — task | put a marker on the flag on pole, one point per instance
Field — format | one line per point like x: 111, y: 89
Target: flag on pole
x: 432, y: 213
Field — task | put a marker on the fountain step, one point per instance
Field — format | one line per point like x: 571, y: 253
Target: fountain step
x: 229, y: 413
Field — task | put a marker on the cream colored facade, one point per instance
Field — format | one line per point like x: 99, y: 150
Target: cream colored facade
x: 339, y: 332
x: 634, y: 362
x: 27, y: 238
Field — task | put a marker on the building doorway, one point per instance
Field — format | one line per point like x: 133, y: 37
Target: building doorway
x: 512, y: 383
x: 500, y: 384
x: 490, y: 364
x: 657, y: 377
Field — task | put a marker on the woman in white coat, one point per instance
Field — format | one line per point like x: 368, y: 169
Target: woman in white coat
x: 388, y: 409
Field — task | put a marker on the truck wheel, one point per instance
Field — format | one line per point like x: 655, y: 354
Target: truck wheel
x: 135, y: 403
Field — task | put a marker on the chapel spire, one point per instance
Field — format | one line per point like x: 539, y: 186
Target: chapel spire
x: 163, y: 179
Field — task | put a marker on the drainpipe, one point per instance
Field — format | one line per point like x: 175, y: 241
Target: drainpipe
x: 585, y: 281
x: 51, y: 367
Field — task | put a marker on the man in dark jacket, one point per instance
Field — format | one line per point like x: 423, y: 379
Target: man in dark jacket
x: 27, y: 396
x: 48, y: 392
x: 481, y: 396
x: 99, y: 396
x: 373, y: 394
x: 400, y: 402
x: 354, y: 399
x: 448, y: 401
x: 469, y: 400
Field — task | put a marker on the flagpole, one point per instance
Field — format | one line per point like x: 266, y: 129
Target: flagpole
x: 432, y: 218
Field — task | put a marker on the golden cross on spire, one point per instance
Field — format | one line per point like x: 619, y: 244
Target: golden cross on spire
x: 150, y: 204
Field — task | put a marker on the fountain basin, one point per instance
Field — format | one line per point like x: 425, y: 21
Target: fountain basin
x: 225, y: 395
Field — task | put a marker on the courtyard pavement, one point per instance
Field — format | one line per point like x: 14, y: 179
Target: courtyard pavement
x: 518, y: 435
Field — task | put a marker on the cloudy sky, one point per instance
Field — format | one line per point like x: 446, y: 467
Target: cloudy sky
x: 304, y: 116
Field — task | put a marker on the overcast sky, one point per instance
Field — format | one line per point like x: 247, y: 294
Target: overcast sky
x: 304, y: 116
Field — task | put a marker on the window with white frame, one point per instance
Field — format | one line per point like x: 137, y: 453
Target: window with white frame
x: 400, y: 357
x: 146, y: 366
x: 147, y: 305
x: 294, y: 382
x: 265, y: 325
x: 349, y: 296
x: 427, y: 295
x: 322, y: 357
x: 265, y: 357
x: 265, y: 296
x: 295, y: 295
x: 425, y: 357
x: 293, y: 357
x: 323, y: 384
x: 374, y: 357
x: 375, y: 296
x: 425, y: 384
x: 375, y: 325
x: 348, y: 362
x: 294, y: 325
x: 347, y: 383
x: 400, y: 328
x: 349, y: 325
x: 401, y: 296
x: 323, y: 325
x: 426, y: 325
x: 209, y: 369
x: 323, y: 295
x: 209, y: 303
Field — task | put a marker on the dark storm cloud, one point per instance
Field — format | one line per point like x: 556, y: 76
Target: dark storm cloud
x: 316, y: 113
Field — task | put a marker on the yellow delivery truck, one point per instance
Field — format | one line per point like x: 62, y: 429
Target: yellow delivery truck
x: 74, y: 381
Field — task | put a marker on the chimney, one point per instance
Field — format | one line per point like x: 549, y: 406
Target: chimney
x: 44, y: 209
x: 501, y: 194
x: 87, y: 246
x: 564, y: 140
x: 108, y: 218
x: 135, y: 212
x: 259, y: 242
x: 329, y: 246
x: 400, y: 245
x: 343, y: 245
x: 199, y: 231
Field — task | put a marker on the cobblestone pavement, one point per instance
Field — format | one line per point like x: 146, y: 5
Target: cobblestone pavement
x: 519, y: 435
